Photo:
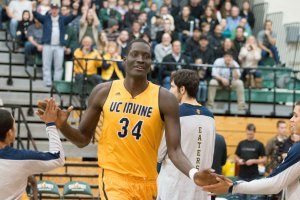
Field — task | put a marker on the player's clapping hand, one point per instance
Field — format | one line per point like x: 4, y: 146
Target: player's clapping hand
x: 50, y: 112
x: 205, y: 177
x: 222, y: 186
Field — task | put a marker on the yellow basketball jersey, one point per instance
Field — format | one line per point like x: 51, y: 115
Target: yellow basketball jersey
x: 132, y: 131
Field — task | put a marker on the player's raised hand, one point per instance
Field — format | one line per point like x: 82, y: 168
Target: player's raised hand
x: 205, y: 177
x: 50, y: 112
x: 221, y: 187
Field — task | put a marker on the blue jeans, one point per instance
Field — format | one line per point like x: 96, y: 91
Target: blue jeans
x: 167, y: 82
x: 13, y: 25
x: 202, y: 92
x: 275, y: 53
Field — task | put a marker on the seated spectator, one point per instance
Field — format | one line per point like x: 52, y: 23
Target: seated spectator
x: 192, y: 43
x: 246, y: 29
x: 226, y: 9
x: 109, y: 13
x: 267, y: 42
x: 142, y: 19
x: 167, y: 29
x: 172, y: 8
x: 122, y: 8
x: 15, y: 11
x: 44, y: 7
x: 135, y: 32
x: 164, y: 48
x: 156, y: 26
x: 229, y: 46
x: 122, y: 42
x: 3, y: 15
x: 202, y: 88
x: 205, y: 29
x: 204, y: 51
x: 102, y: 43
x: 112, y: 31
x: 83, y: 68
x: 216, y: 41
x: 34, y: 44
x: 132, y: 14
x: 234, y: 19
x: 174, y: 57
x: 89, y: 23
x: 22, y: 28
x: 249, y: 57
x: 209, y: 18
x: 225, y: 78
x: 183, y: 24
x: 164, y: 14
x: 226, y: 33
x: 152, y: 12
x: 66, y: 3
x: 112, y: 70
x: 239, y: 40
x: 197, y: 8
x: 247, y: 13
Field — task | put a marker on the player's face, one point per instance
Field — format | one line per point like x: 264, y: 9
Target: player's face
x: 138, y: 60
x: 175, y: 90
x: 295, y: 121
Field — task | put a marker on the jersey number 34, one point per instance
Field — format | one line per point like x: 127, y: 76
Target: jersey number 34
x: 135, y: 132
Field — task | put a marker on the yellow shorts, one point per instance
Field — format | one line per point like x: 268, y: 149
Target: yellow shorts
x: 115, y: 186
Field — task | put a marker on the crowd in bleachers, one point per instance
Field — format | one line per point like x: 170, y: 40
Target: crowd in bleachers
x: 213, y: 32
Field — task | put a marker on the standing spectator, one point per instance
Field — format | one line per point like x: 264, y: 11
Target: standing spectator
x: 204, y: 51
x: 239, y: 40
x: 210, y: 18
x: 102, y: 43
x: 112, y: 70
x: 34, y: 44
x: 22, y: 28
x: 109, y: 13
x: 15, y: 11
x: 247, y: 13
x: 164, y: 48
x: 175, y: 57
x: 53, y: 40
x: 192, y: 43
x: 249, y: 57
x: 89, y: 24
x: 112, y: 31
x: 274, y: 147
x: 184, y: 23
x: 267, y: 42
x: 75, y: 23
x: 167, y: 29
x: 132, y: 15
x: 225, y: 78
x: 86, y: 70
x: 122, y: 41
x: 249, y: 154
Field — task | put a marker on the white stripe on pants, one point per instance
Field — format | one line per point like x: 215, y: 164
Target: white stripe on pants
x: 51, y: 52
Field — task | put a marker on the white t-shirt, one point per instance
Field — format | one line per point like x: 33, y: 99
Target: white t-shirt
x: 17, y: 7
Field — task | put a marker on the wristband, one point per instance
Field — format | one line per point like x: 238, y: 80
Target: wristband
x: 50, y: 124
x: 231, y: 187
x: 192, y: 173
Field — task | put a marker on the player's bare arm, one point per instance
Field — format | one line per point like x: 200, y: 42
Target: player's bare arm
x: 170, y: 110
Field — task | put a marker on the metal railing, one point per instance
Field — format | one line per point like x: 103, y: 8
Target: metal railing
x: 9, y: 80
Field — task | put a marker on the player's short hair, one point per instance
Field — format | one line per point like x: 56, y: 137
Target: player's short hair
x: 135, y: 41
x: 187, y: 78
x: 280, y: 122
x: 251, y: 127
x: 6, y: 123
x: 297, y: 103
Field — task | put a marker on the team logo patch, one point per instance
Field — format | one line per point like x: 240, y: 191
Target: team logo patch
x: 198, y: 111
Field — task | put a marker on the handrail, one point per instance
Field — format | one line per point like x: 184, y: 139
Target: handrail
x: 19, y: 119
x: 30, y: 109
x: 9, y: 80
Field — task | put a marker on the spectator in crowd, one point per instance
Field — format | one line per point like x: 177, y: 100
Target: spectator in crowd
x: 122, y: 42
x: 216, y: 41
x: 204, y: 51
x: 249, y: 57
x: 202, y: 87
x: 122, y: 8
x: 164, y: 48
x: 21, y: 35
x: 184, y: 24
x: 175, y: 57
x: 43, y: 7
x: 3, y: 15
x: 34, y: 44
x: 244, y: 24
x: 289, y: 142
x: 210, y: 18
x: 15, y: 11
x: 225, y: 78
x: 102, y: 43
x: 152, y: 12
x: 197, y: 8
x: 192, y: 43
x: 226, y: 33
x: 220, y: 156
x: 229, y: 46
x: 274, y: 147
x: 53, y: 40
x: 89, y: 24
x: 135, y: 32
x: 239, y: 40
x: 172, y: 9
x: 205, y: 29
x: 156, y: 26
x: 226, y: 9
x: 234, y: 19
x: 112, y: 31
x: 112, y: 69
x: 132, y: 15
x: 164, y: 14
x: 167, y: 29
x: 109, y: 13
x: 71, y: 40
x: 267, y: 42
x: 249, y: 154
x: 86, y: 70
x: 247, y: 13
x: 75, y: 23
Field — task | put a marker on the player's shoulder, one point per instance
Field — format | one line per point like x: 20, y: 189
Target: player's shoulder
x: 188, y: 110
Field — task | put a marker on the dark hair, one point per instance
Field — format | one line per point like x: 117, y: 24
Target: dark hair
x: 241, y: 28
x: 297, y: 103
x: 188, y: 79
x: 6, y: 123
x: 251, y: 127
x: 268, y: 20
x: 25, y: 11
x: 280, y: 122
x: 135, y: 41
